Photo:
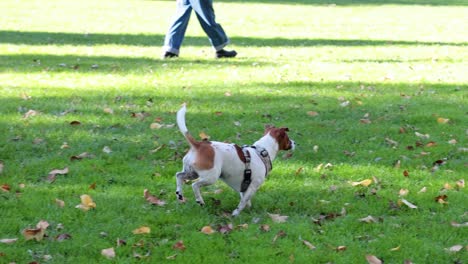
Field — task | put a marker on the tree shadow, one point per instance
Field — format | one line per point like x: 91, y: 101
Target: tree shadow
x: 355, y: 2
x: 156, y: 40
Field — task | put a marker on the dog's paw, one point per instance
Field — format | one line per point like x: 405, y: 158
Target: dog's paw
x: 201, y: 203
x: 235, y: 213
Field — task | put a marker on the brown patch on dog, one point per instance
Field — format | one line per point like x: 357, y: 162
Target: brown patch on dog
x: 240, y: 153
x: 281, y: 136
x: 205, y: 153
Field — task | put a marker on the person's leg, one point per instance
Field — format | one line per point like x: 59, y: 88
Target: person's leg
x: 176, y: 32
x: 206, y: 16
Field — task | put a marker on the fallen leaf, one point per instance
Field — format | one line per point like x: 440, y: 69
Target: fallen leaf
x: 60, y: 172
x: 410, y: 205
x: 60, y: 203
x: 179, y: 245
x: 278, y: 218
x: 265, y: 228
x: 81, y: 156
x: 207, y: 230
x: 373, y: 259
x: 395, y: 248
x: 364, y: 183
x: 108, y: 253
x: 405, y: 173
x: 298, y: 171
x: 106, y: 149
x: 30, y: 113
x: 155, y: 125
x: 108, y: 110
x: 1, y: 166
x: 442, y: 120
x: 224, y: 229
x: 153, y: 199
x: 455, y: 248
x: 391, y: 142
x: 308, y: 244
x: 63, y: 237
x: 431, y: 144
x: 312, y: 113
x: 423, y: 190
x: 452, y: 141
x: 5, y: 187
x: 142, y: 230
x: 341, y: 248
x: 403, y: 192
x: 8, y: 240
x: 368, y: 219
x: 442, y: 199
x: 75, y: 123
x: 365, y: 121
x: 86, y: 203
x: 423, y: 136
x: 203, y: 136
x: 280, y: 234
x: 461, y: 183
x: 455, y: 224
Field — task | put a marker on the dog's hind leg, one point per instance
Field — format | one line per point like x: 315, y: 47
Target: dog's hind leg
x: 180, y: 177
x: 208, y: 177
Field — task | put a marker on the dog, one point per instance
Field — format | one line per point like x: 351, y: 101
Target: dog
x: 243, y: 169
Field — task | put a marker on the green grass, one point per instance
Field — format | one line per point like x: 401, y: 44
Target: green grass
x: 403, y: 64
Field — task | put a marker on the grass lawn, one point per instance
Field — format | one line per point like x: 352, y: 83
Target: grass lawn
x: 374, y: 93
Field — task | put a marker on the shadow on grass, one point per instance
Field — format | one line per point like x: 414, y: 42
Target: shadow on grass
x: 99, y: 64
x: 355, y: 2
x: 156, y: 40
x: 335, y: 129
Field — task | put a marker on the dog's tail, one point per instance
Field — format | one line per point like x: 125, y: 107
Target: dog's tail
x: 183, y: 127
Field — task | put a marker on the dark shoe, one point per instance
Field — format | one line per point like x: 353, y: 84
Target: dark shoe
x: 225, y: 53
x: 169, y: 55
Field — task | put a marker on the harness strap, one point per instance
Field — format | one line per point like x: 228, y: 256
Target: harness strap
x: 264, y: 156
x: 247, y: 172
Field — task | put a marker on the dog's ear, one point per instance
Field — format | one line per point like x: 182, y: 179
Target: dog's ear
x: 285, y: 129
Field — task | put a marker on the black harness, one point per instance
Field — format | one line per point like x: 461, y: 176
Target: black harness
x: 264, y: 156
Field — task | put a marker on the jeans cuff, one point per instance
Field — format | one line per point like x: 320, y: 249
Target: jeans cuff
x: 171, y: 50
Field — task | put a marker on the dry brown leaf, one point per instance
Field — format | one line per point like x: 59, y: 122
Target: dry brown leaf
x: 403, y: 192
x: 452, y: 141
x: 108, y: 110
x: 179, y: 245
x: 278, y: 218
x: 81, y: 156
x: 423, y: 136
x: 461, y: 183
x: 224, y: 229
x: 341, y: 248
x: 364, y: 183
x: 155, y: 125
x: 368, y: 219
x: 63, y: 237
x: 312, y: 113
x: 142, y: 230
x: 207, y: 230
x: 373, y: 259
x: 280, y: 234
x: 30, y: 113
x: 86, y: 203
x: 365, y: 121
x: 308, y: 244
x: 59, y: 203
x: 108, y: 253
x: 442, y: 120
x: 5, y: 187
x: 1, y: 166
x: 442, y: 199
x: 204, y: 136
x: 153, y: 199
x: 265, y: 228
x: 298, y: 171
x: 75, y: 123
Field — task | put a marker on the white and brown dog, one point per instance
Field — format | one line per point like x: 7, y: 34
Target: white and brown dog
x: 244, y: 169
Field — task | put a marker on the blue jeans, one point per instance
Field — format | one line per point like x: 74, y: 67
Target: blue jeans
x: 206, y: 16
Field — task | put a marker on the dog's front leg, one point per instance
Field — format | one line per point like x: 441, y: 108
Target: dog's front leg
x: 245, y: 198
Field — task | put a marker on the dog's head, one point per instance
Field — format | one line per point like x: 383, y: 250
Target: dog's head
x: 281, y: 137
